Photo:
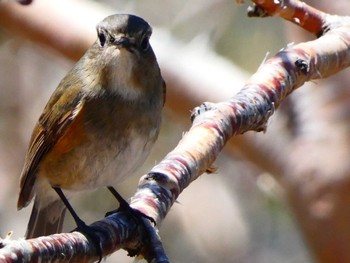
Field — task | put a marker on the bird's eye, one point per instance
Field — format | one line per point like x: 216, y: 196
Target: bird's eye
x: 102, y: 38
x: 144, y: 44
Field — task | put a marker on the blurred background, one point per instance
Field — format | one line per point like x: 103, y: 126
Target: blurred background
x: 273, y: 192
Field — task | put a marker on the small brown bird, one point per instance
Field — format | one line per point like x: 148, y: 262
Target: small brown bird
x: 98, y: 126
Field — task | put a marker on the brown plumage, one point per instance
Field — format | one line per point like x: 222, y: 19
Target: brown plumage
x: 99, y: 124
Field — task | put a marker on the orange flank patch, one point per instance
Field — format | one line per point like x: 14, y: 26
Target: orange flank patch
x: 74, y: 136
x: 56, y: 165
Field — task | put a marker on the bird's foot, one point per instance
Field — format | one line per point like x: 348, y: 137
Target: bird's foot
x: 134, y: 212
x: 125, y: 207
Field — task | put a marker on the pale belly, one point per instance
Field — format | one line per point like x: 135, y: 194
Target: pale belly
x: 101, y: 162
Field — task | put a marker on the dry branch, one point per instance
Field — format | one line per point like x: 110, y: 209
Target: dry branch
x: 250, y: 109
x: 119, y: 230
x: 295, y: 11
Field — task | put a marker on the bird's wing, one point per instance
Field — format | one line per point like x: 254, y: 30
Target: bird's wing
x: 60, y: 112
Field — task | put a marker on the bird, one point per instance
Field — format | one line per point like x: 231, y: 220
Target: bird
x: 98, y: 126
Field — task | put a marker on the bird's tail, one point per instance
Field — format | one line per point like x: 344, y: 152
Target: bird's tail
x: 45, y: 220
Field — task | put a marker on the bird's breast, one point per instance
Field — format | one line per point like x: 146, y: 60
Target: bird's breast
x: 109, y: 141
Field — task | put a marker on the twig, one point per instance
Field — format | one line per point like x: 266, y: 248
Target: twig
x: 297, y: 12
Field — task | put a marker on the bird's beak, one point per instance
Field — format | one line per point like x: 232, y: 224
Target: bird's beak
x: 123, y: 42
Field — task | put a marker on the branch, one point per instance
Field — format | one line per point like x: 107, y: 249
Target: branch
x: 295, y: 11
x: 119, y: 230
x: 249, y: 110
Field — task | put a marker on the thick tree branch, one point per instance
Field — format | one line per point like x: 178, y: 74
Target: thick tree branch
x: 295, y: 11
x: 250, y: 109
x: 120, y: 230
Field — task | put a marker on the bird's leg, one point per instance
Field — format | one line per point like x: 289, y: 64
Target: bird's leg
x: 124, y: 206
x: 80, y: 223
x: 81, y: 226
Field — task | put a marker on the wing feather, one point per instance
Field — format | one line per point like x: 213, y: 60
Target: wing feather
x: 57, y: 117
